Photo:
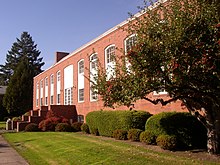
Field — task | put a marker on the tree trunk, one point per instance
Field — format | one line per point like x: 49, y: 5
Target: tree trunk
x: 213, y: 141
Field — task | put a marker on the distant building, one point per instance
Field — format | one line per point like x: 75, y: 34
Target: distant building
x: 64, y: 83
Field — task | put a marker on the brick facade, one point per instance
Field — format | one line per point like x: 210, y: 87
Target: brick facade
x: 115, y: 36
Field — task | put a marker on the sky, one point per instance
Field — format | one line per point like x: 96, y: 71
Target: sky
x: 60, y: 25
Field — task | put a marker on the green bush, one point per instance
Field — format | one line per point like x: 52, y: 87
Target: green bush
x: 85, y: 128
x: 76, y: 127
x: 148, y: 137
x: 120, y: 134
x: 189, y: 132
x: 108, y: 121
x: 167, y: 142
x: 32, y: 127
x: 63, y: 127
x: 134, y: 134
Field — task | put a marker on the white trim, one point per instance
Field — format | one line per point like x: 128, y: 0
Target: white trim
x: 93, y: 72
x: 105, y: 34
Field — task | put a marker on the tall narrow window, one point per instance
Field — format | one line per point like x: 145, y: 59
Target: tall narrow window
x: 129, y: 43
x: 81, y: 81
x: 58, y: 87
x: 41, y: 93
x: 46, y: 91
x: 51, y: 89
x: 93, y: 74
x: 37, y: 94
x: 68, y: 85
x: 110, y: 61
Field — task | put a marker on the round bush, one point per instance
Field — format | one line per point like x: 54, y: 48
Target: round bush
x: 189, y: 131
x: 120, y: 134
x: 134, y: 134
x: 167, y: 142
x: 76, y: 127
x: 148, y: 137
x: 32, y: 127
x: 85, y: 128
x: 63, y: 127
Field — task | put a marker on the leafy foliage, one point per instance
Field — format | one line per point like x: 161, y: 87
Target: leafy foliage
x: 76, y: 126
x: 85, y: 128
x: 63, y: 127
x: 120, y: 134
x: 148, y: 137
x: 134, y: 134
x: 167, y: 142
x: 178, y: 50
x: 32, y: 127
x: 190, y: 132
x: 105, y: 122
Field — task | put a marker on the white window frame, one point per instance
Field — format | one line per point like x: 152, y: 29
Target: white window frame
x: 93, y: 73
x: 58, y: 86
x: 51, y: 88
x: 81, y: 66
x: 110, y: 61
x: 37, y: 94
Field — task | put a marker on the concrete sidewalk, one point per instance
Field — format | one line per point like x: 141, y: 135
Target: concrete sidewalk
x: 8, y: 155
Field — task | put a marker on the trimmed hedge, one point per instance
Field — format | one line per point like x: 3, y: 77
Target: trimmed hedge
x: 32, y: 127
x: 167, y: 142
x: 190, y: 133
x: 85, y: 128
x: 105, y: 122
x: 134, y: 134
x: 120, y: 134
x: 76, y: 126
x: 148, y: 137
x: 63, y: 127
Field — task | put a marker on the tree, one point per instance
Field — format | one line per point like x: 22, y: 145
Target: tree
x: 23, y: 47
x: 18, y: 97
x: 178, y: 50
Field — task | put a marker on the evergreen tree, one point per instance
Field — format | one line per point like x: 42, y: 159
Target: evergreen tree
x: 23, y: 47
x: 18, y: 98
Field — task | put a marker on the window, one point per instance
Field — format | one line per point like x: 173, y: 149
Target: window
x: 46, y: 81
x: 81, y: 67
x: 80, y: 118
x: 93, y: 74
x: 51, y: 100
x: 46, y: 102
x: 58, y: 87
x: 130, y: 42
x: 110, y: 54
x: 81, y: 95
x: 58, y: 76
x: 58, y: 98
x: 68, y: 100
x: 110, y: 61
x: 51, y: 79
x: 37, y: 93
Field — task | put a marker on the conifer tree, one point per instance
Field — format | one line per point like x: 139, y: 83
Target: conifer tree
x: 23, y: 47
x: 18, y: 97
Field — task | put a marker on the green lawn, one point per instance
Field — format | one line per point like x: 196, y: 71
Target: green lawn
x: 75, y: 148
x: 2, y: 125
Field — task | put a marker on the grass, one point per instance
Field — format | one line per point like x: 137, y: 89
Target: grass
x: 2, y: 124
x: 74, y: 148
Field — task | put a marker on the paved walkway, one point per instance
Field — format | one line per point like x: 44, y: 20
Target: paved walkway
x: 8, y: 155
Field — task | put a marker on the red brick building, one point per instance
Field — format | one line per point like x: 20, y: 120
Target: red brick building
x: 64, y: 83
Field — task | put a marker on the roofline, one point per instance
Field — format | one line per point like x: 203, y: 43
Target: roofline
x: 104, y: 34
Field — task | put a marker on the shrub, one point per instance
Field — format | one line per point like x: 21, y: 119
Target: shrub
x: 120, y: 134
x: 134, y: 134
x: 32, y: 127
x: 63, y: 127
x: 85, y: 128
x: 108, y: 121
x: 189, y: 132
x: 167, y: 142
x: 148, y: 137
x: 76, y: 127
x: 94, y: 131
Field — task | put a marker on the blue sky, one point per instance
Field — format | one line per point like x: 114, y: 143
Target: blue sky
x: 60, y: 25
